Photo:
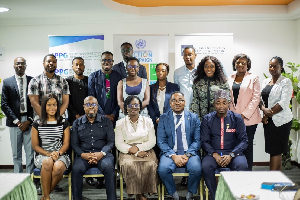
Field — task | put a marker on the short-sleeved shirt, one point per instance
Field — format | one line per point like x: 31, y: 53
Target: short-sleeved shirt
x: 42, y: 85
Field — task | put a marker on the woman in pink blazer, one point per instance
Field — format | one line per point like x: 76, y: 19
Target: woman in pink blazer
x: 245, y: 98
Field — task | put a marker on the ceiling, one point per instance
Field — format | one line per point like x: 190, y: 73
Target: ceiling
x: 158, y: 3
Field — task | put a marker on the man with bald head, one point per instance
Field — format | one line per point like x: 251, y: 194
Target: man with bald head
x: 92, y: 139
x: 16, y: 106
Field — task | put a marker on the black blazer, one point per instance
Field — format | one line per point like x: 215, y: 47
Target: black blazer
x: 121, y: 69
x: 10, y: 100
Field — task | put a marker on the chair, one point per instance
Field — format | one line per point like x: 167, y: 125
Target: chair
x: 181, y: 171
x: 217, y: 175
x: 67, y: 174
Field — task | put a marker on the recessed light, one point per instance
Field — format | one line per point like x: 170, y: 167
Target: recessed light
x: 2, y: 9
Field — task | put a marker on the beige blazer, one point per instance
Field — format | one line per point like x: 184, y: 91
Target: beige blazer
x: 248, y: 99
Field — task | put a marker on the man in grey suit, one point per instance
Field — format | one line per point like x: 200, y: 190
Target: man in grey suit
x: 16, y: 106
x: 127, y: 51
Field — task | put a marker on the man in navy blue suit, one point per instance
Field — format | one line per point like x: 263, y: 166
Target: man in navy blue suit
x: 127, y: 51
x: 178, y: 136
x: 17, y: 108
x: 223, y: 140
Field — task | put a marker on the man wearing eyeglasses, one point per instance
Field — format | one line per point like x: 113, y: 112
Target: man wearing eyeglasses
x: 223, y: 139
x: 16, y: 106
x: 92, y: 140
x: 127, y: 52
x: 102, y: 84
x: 178, y: 137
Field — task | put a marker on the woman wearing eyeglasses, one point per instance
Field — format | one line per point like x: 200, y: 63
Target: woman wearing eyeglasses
x: 245, y: 98
x: 50, y: 139
x: 209, y: 78
x: 133, y: 85
x: 135, y: 138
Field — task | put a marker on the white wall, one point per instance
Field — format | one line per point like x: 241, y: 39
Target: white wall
x: 261, y: 40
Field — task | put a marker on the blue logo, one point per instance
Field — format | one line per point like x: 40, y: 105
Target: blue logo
x: 140, y: 44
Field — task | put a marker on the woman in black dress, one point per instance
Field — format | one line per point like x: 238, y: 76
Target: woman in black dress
x: 277, y: 119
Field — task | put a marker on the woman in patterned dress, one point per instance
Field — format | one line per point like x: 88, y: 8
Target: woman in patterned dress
x: 209, y: 77
x: 50, y: 138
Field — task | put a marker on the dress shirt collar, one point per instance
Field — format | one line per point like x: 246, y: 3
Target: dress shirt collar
x: 174, y: 114
x: 85, y: 119
x: 124, y: 63
x: 18, y: 77
x: 187, y: 69
x: 45, y: 76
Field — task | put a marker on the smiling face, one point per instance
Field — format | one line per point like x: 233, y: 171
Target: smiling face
x: 241, y: 65
x: 177, y: 103
x: 51, y: 107
x: 20, y: 66
x: 50, y: 64
x: 209, y: 68
x: 78, y: 67
x: 161, y: 72
x: 107, y: 63
x: 275, y: 67
x: 133, y: 68
x: 133, y: 108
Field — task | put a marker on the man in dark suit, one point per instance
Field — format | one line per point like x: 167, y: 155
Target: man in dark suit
x: 17, y: 108
x: 127, y: 51
x: 178, y: 137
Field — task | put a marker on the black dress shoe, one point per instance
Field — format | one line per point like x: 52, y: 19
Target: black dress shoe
x: 90, y: 181
x: 38, y: 189
x: 184, y: 181
x: 58, y: 188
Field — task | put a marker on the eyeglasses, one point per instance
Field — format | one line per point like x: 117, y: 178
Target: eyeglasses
x: 126, y: 50
x: 243, y: 63
x: 20, y: 63
x: 133, y: 105
x: 177, y: 101
x: 132, y: 66
x: 107, y: 60
x: 91, y: 104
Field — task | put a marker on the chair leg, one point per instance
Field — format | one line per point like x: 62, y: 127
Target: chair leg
x: 206, y: 193
x: 158, y: 191
x: 70, y: 186
x: 121, y: 186
x: 201, y: 189
x: 162, y: 191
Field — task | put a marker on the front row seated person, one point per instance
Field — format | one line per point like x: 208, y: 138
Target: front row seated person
x: 50, y: 138
x: 178, y: 136
x: 135, y: 138
x: 223, y: 140
x: 92, y: 139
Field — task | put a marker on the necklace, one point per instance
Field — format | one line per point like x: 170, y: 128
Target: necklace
x: 134, y: 124
x: 162, y: 88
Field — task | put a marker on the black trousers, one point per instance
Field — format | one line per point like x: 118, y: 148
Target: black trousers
x: 105, y: 165
x: 249, y: 151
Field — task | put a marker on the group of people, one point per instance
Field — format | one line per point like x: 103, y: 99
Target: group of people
x: 152, y: 129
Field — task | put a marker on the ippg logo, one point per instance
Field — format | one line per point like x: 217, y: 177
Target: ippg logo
x: 60, y: 55
x: 140, y: 44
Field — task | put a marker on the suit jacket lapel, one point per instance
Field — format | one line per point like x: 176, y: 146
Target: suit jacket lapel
x: 167, y: 97
x: 122, y: 68
x: 187, y: 118
x: 15, y: 85
x: 171, y: 125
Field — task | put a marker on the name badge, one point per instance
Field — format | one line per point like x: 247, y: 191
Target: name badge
x: 230, y: 130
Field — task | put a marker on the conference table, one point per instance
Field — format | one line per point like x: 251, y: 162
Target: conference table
x: 233, y: 184
x: 15, y: 186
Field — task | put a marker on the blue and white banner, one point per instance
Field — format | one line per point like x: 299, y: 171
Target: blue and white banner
x: 149, y: 49
x: 65, y: 48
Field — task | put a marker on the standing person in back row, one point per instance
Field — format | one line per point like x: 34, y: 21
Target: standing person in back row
x: 184, y: 78
x: 127, y: 52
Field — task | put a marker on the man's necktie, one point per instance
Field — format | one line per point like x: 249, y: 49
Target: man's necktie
x: 180, y: 149
x: 22, y: 100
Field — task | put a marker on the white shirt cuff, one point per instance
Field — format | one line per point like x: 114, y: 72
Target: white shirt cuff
x: 104, y: 154
x: 16, y: 121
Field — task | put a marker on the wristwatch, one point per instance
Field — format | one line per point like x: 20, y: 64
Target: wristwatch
x: 188, y: 155
x: 232, y: 155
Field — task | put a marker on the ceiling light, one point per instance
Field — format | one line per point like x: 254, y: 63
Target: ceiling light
x: 2, y: 9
